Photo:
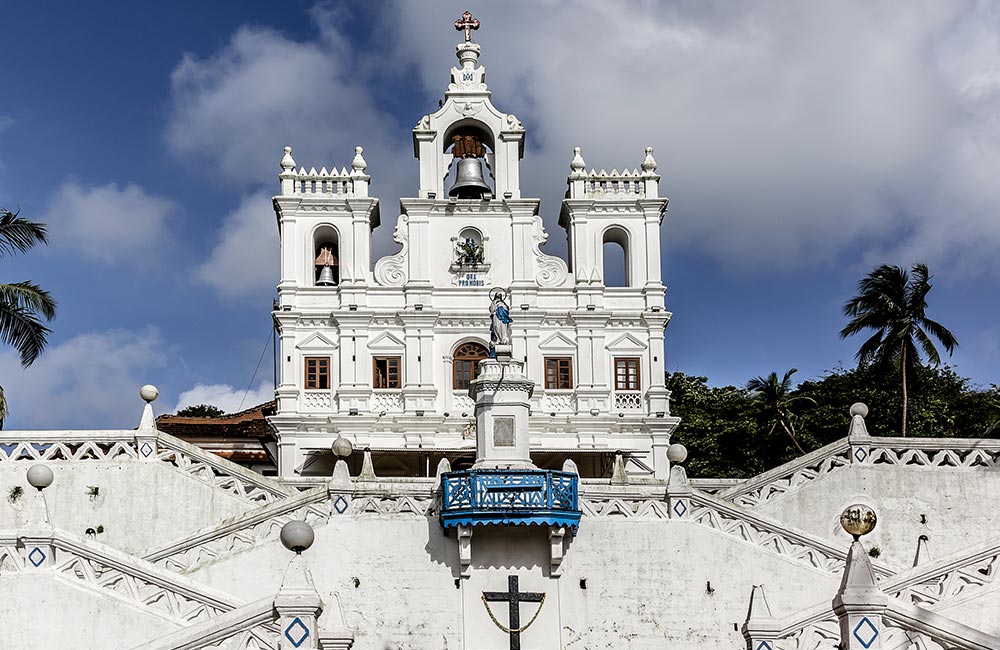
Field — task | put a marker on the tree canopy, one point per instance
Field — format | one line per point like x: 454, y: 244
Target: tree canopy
x: 201, y: 411
x: 730, y: 433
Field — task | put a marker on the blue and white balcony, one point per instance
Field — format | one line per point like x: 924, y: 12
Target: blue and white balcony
x: 510, y: 497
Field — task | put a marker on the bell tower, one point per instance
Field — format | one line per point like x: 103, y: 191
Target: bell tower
x: 384, y: 356
x: 468, y: 127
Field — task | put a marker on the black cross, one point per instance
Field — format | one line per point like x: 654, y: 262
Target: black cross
x: 513, y: 597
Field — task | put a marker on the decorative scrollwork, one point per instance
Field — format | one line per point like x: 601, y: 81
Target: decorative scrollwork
x: 552, y: 271
x: 390, y: 271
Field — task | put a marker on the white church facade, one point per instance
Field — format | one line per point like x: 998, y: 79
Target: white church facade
x: 382, y: 353
x: 136, y: 540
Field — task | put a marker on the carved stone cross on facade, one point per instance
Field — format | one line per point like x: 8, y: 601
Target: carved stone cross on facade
x: 513, y: 597
x: 468, y: 23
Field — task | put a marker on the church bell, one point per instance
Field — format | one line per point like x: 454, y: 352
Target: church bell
x: 325, y: 278
x: 469, y: 181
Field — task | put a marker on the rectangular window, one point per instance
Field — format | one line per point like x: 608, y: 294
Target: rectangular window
x: 627, y: 373
x: 386, y: 373
x: 318, y: 373
x: 558, y: 372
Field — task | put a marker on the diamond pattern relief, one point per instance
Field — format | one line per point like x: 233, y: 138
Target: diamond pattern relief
x: 146, y: 449
x: 764, y: 645
x: 860, y: 455
x: 679, y: 509
x: 340, y: 505
x: 865, y: 632
x: 297, y: 632
x: 36, y: 557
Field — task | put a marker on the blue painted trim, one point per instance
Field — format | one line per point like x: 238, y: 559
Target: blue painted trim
x: 302, y: 625
x: 871, y: 626
x: 510, y: 498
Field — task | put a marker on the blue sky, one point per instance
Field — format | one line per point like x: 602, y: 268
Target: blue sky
x: 800, y: 144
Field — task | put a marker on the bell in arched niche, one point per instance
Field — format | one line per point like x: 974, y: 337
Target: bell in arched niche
x: 327, y: 266
x: 469, y: 180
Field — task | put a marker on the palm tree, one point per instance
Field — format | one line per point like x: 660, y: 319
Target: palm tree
x: 892, y: 302
x: 777, y: 398
x: 21, y: 303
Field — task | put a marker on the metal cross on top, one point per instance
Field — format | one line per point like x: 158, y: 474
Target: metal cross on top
x: 513, y: 597
x: 468, y: 23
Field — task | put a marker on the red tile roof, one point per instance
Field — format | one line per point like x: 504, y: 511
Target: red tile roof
x: 248, y: 424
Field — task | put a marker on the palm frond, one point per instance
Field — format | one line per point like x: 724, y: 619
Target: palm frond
x: 927, y: 346
x: 21, y: 328
x: 18, y: 234
x: 941, y: 333
x: 30, y: 297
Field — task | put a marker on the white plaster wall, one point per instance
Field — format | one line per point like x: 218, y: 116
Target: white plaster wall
x: 38, y: 612
x: 139, y: 504
x: 954, y: 501
x: 646, y: 581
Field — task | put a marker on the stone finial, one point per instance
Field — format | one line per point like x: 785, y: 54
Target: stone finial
x: 148, y: 393
x: 618, y: 474
x: 577, y: 166
x: 858, y: 412
x: 859, y: 603
x: 298, y: 605
x: 358, y: 165
x: 287, y: 162
x: 39, y: 477
x: 570, y: 466
x: 760, y: 629
x: 367, y: 466
x: 649, y: 163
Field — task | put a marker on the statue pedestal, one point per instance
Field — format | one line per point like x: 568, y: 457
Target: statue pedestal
x: 502, y: 393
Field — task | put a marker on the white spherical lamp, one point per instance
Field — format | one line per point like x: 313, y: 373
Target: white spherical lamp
x: 297, y: 536
x: 859, y: 409
x: 677, y: 453
x: 40, y: 476
x: 342, y: 447
x: 149, y: 393
x: 858, y: 519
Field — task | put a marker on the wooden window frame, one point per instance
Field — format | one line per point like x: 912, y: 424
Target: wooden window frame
x: 317, y: 378
x: 457, y: 368
x: 562, y: 369
x: 628, y: 362
x: 388, y: 380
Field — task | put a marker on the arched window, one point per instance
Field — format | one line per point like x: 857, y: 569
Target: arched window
x: 326, y: 263
x: 616, y: 258
x: 466, y: 361
x: 469, y: 249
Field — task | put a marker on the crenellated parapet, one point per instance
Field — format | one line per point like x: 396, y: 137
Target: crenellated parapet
x: 344, y: 182
x: 614, y: 185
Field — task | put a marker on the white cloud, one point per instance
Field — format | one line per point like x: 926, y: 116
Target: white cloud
x: 237, y: 109
x: 224, y: 396
x: 6, y: 121
x: 90, y: 381
x: 785, y: 134
x: 244, y: 263
x: 110, y: 224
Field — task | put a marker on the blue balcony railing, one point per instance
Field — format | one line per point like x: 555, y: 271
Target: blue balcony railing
x: 509, y: 497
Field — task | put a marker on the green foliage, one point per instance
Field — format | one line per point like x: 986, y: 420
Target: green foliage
x: 729, y: 432
x: 201, y: 411
x: 893, y: 303
x: 23, y: 303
